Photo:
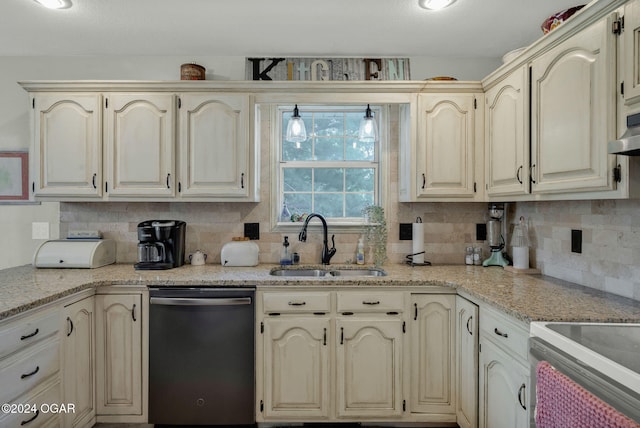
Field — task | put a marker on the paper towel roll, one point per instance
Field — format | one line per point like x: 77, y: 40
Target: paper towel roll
x: 418, y: 242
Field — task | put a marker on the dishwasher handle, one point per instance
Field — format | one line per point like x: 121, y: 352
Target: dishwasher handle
x: 183, y: 301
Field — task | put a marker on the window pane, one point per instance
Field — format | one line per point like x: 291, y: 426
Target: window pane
x: 352, y: 123
x: 357, y: 150
x: 328, y: 204
x: 356, y: 202
x: 291, y: 151
x: 329, y: 148
x: 298, y: 203
x: 297, y: 179
x: 328, y: 124
x: 328, y: 180
x: 359, y: 179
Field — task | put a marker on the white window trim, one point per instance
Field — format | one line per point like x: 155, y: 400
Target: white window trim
x: 347, y: 225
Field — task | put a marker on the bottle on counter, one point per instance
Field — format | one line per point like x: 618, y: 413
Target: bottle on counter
x: 468, y: 256
x: 285, y: 256
x: 360, y: 252
x: 477, y: 256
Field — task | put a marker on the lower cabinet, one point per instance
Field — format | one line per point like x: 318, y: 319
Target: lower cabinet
x: 79, y: 362
x: 121, y: 364
x: 466, y: 363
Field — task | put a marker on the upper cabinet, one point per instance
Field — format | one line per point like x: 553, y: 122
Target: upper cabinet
x: 631, y: 52
x: 66, y: 159
x: 573, y: 112
x: 506, y: 135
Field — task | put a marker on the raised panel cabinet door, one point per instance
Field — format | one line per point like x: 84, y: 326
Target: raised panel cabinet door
x: 79, y: 362
x: 573, y: 113
x: 67, y: 152
x: 631, y: 52
x: 466, y: 363
x: 445, y: 147
x: 433, y: 354
x: 296, y: 368
x: 119, y: 354
x: 503, y: 390
x: 506, y: 138
x: 140, y: 145
x: 214, y: 146
x: 369, y: 367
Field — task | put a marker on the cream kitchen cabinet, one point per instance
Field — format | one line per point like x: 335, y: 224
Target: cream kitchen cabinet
x: 121, y: 357
x: 466, y: 363
x: 66, y: 155
x: 215, y: 146
x: 573, y: 112
x: 631, y: 52
x: 448, y: 147
x: 506, y: 135
x: 139, y: 135
x: 78, y: 362
x: 433, y: 353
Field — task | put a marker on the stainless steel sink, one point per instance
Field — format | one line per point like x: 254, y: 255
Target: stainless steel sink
x: 306, y: 272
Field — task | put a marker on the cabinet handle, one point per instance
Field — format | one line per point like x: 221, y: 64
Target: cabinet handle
x: 242, y: 180
x: 469, y: 325
x: 341, y: 335
x: 518, y: 174
x: 168, y: 184
x: 70, y: 326
x: 531, y: 173
x: 26, y: 336
x: 30, y: 374
x: 520, y: 392
x: 93, y: 181
x: 499, y: 333
x: 424, y: 181
x: 415, y: 311
x: 32, y: 419
x: 324, y: 337
x: 133, y: 313
x: 365, y: 302
x: 297, y: 303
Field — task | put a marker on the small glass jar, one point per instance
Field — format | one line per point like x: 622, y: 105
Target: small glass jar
x: 477, y: 256
x: 468, y: 257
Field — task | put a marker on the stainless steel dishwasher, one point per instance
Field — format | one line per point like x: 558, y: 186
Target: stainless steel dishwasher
x: 201, y: 356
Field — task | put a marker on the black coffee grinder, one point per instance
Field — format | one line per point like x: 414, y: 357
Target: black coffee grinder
x: 161, y: 244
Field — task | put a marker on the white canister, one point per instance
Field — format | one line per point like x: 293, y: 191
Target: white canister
x: 521, y: 257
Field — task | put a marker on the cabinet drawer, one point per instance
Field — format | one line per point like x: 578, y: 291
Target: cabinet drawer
x: 23, y: 332
x: 370, y: 302
x: 40, y: 413
x: 504, y: 332
x: 296, y: 302
x: 25, y: 370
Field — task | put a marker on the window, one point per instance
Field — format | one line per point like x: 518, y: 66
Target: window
x: 331, y: 173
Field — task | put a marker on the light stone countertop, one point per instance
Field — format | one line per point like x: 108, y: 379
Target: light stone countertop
x: 525, y: 297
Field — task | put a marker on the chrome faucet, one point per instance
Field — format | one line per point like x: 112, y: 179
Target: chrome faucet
x: 327, y: 252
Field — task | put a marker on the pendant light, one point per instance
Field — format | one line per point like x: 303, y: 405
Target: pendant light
x: 368, y: 132
x: 296, y: 131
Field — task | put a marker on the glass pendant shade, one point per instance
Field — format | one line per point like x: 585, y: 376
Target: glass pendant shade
x: 435, y: 4
x: 296, y: 131
x: 368, y: 132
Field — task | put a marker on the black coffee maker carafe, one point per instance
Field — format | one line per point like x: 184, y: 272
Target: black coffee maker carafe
x: 161, y: 244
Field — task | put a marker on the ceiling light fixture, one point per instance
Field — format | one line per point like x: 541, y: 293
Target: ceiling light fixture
x: 55, y: 4
x: 296, y: 131
x: 368, y: 132
x: 435, y: 4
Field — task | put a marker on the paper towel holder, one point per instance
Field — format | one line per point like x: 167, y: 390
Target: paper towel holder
x: 410, y: 261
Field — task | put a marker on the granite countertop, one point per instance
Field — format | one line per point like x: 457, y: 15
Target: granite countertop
x: 525, y: 297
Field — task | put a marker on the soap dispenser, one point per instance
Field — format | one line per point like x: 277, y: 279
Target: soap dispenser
x: 285, y: 256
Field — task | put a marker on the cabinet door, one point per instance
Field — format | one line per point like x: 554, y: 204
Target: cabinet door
x: 466, y: 363
x: 119, y: 354
x: 506, y: 138
x: 369, y: 367
x: 503, y: 390
x: 433, y: 354
x: 67, y: 152
x: 296, y: 368
x: 78, y: 362
x: 631, y: 52
x: 214, y: 146
x: 573, y: 113
x: 445, y: 147
x: 140, y: 145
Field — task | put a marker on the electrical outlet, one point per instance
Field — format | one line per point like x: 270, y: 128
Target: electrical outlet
x: 39, y: 230
x: 576, y: 241
x: 406, y: 231
x: 252, y: 230
x: 481, y: 232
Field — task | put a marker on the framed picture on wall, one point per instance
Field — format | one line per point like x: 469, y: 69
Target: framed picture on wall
x: 14, y: 176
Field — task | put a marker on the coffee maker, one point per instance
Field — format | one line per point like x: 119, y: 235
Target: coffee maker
x: 161, y: 244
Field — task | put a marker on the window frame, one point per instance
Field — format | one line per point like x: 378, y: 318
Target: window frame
x: 343, y: 225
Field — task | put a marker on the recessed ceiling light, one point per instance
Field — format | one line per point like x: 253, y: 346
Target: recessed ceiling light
x: 435, y: 4
x: 55, y: 4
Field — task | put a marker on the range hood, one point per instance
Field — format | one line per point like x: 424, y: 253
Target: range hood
x: 629, y: 143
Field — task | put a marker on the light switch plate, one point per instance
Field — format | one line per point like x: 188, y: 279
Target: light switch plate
x: 39, y: 230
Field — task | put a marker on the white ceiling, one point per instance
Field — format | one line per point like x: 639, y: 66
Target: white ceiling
x: 468, y: 29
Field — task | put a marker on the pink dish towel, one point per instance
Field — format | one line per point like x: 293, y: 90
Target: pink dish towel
x: 562, y: 403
